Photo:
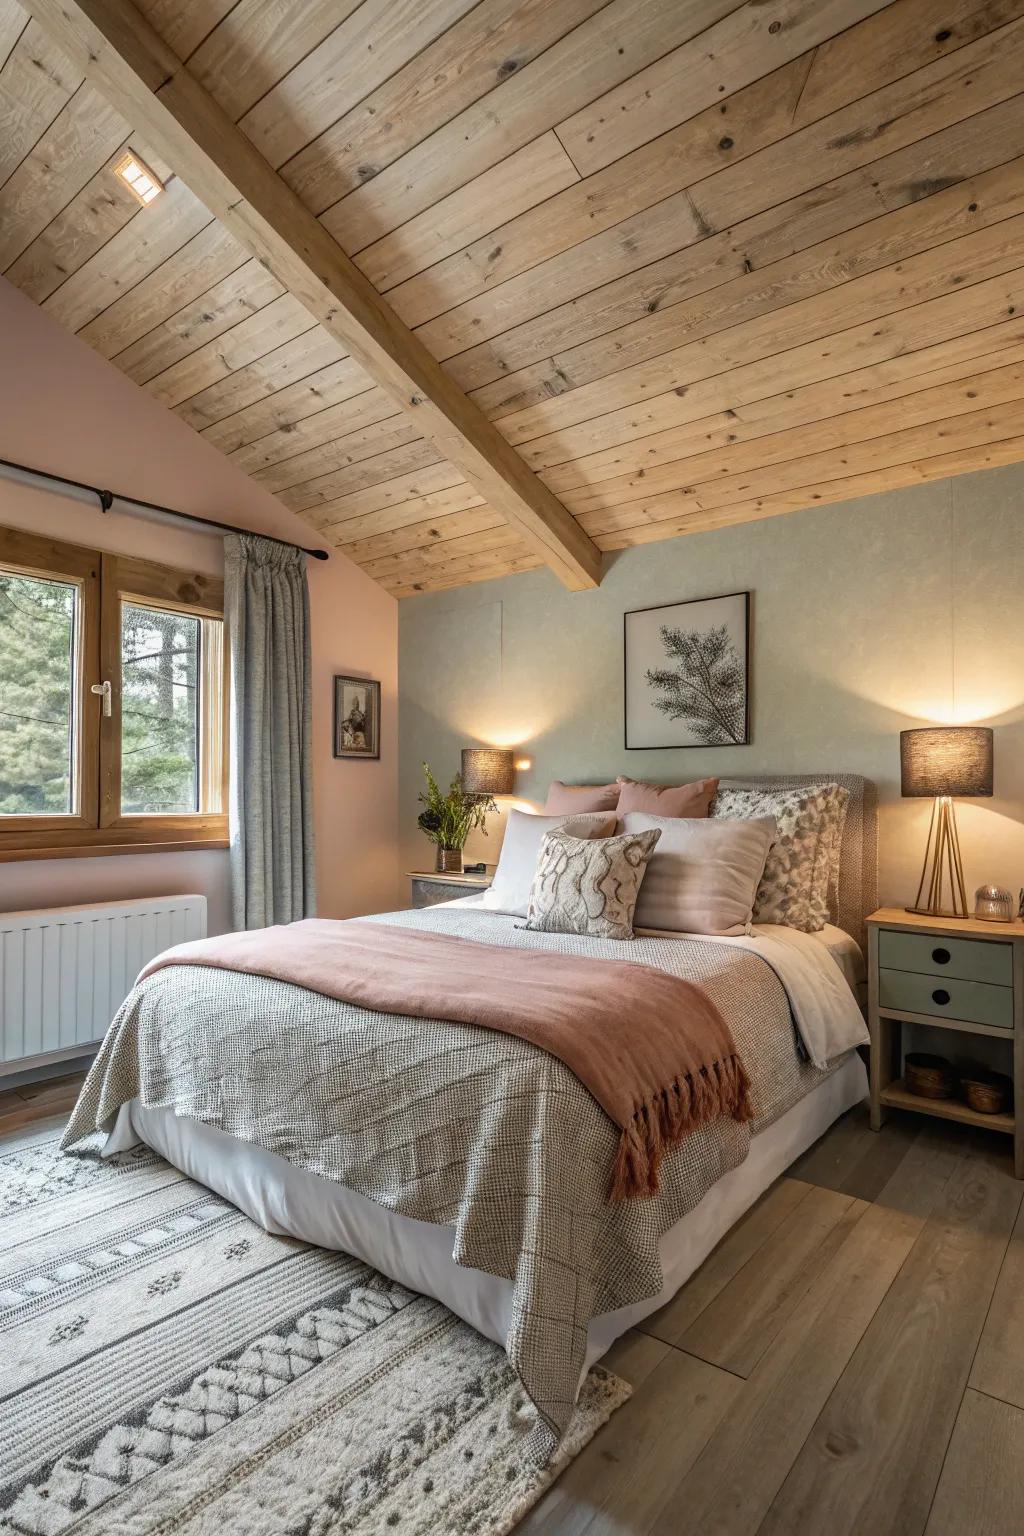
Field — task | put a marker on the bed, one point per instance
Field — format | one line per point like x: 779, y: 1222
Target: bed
x: 469, y: 1165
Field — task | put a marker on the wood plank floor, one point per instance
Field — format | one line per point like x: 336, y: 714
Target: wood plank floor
x: 850, y: 1359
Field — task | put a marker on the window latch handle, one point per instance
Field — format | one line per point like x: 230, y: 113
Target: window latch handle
x: 103, y: 690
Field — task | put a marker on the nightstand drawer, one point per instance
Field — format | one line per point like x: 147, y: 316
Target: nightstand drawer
x: 968, y: 959
x: 976, y: 1002
x: 429, y: 893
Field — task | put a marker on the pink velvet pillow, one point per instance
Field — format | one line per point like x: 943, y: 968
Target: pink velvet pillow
x: 667, y: 799
x: 578, y: 799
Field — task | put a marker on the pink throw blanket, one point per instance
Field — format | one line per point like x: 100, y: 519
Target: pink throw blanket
x: 652, y: 1049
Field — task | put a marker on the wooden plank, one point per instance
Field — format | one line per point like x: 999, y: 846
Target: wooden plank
x: 496, y: 38
x: 855, y: 1160
x: 312, y: 392
x: 737, y: 1327
x: 865, y: 1469
x: 281, y: 320
x: 740, y: 48
x: 759, y: 116
x: 998, y: 1367
x: 132, y: 254
x: 981, y: 1489
x: 257, y: 44
x: 113, y: 42
x: 84, y: 226
x: 464, y: 552
x: 442, y: 583
x: 299, y: 435
x: 846, y: 67
x: 621, y: 1479
x: 184, y: 23
x: 13, y: 22
x: 818, y: 240
x: 600, y: 387
x: 529, y: 176
x: 358, y: 458
x: 433, y: 531
x: 884, y: 382
x: 720, y: 472
x: 324, y: 84
x: 291, y: 363
x: 223, y: 306
x: 414, y: 486
x: 611, y: 46
x: 912, y: 107
x: 78, y: 141
x: 736, y: 1249
x: 401, y: 514
x: 278, y: 470
x: 36, y: 82
x: 952, y: 434
x: 925, y: 324
x: 867, y: 483
x: 201, y: 261
x: 745, y: 1462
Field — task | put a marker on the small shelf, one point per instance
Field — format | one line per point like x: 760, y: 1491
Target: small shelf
x: 896, y: 1096
x: 904, y: 1016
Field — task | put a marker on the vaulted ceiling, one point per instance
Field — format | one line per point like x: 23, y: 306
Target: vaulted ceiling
x: 697, y: 262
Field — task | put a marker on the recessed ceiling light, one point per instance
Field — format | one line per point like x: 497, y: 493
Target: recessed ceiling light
x: 138, y: 178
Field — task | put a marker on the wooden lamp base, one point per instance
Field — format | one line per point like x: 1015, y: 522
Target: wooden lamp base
x: 941, y: 862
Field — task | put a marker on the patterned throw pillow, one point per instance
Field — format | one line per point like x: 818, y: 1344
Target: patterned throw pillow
x: 804, y: 859
x: 589, y: 887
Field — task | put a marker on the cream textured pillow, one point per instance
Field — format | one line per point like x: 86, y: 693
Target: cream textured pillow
x: 703, y: 875
x: 576, y: 799
x: 795, y: 884
x: 666, y: 799
x: 589, y: 887
x: 509, y: 891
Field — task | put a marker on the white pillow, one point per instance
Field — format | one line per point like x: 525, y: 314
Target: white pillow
x: 509, y: 891
x: 703, y: 875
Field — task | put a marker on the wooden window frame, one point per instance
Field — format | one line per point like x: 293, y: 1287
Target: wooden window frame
x: 96, y: 826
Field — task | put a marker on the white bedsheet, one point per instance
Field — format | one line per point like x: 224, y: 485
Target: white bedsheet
x: 288, y: 1200
x: 825, y: 1006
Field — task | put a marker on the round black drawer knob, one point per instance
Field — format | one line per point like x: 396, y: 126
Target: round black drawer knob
x: 941, y: 956
x: 940, y: 995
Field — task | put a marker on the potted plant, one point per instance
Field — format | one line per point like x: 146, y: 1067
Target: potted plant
x: 449, y: 817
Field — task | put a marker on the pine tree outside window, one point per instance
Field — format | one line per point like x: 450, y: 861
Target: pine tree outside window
x: 112, y: 703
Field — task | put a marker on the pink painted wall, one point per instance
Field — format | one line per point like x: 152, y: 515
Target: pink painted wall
x: 63, y: 408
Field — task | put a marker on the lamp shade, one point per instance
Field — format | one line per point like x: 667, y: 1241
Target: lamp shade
x: 487, y: 770
x: 946, y: 760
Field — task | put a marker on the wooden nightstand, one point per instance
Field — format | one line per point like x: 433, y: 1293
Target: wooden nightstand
x: 951, y: 973
x: 426, y: 890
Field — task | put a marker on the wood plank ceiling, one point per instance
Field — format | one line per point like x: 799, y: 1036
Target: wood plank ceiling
x: 700, y: 262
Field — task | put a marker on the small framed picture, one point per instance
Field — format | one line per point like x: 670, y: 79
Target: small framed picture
x: 686, y: 667
x: 356, y: 717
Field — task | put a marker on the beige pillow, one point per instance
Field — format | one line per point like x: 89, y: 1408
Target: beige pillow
x: 704, y: 874
x: 667, y: 799
x: 795, y: 885
x: 572, y: 799
x: 509, y: 891
x: 589, y: 886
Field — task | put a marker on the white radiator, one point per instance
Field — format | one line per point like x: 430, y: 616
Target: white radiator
x: 64, y: 973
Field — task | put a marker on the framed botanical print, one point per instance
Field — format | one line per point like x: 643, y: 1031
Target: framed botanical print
x: 356, y: 717
x: 686, y: 673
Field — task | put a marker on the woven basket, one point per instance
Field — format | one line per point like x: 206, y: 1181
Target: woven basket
x: 985, y: 1091
x: 930, y: 1077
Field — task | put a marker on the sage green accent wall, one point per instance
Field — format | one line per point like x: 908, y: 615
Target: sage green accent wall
x: 891, y: 611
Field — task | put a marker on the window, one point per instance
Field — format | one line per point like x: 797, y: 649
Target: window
x: 112, y: 702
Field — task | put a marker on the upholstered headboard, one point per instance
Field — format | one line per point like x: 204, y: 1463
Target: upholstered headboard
x: 857, y: 894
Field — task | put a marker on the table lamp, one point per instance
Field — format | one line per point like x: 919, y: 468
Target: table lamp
x: 943, y: 761
x: 487, y: 770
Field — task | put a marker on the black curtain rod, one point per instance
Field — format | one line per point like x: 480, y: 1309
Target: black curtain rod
x: 106, y: 500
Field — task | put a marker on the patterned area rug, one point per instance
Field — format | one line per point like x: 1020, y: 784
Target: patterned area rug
x: 168, y: 1366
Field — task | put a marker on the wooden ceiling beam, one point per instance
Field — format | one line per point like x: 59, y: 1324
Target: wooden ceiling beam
x: 123, y: 55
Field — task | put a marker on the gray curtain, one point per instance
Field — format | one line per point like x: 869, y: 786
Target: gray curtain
x: 266, y: 602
